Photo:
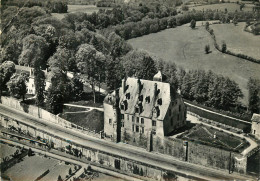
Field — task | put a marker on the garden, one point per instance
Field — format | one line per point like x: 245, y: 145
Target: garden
x: 216, y: 138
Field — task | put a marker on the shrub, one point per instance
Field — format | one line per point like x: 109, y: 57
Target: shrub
x: 207, y: 49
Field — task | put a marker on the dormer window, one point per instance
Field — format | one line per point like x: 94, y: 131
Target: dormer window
x: 127, y: 95
x: 147, y: 99
x: 140, y: 98
x: 156, y: 111
x: 137, y: 110
x: 159, y: 101
x: 123, y: 105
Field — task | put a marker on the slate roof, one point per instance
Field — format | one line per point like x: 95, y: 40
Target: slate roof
x: 256, y: 118
x: 146, y: 97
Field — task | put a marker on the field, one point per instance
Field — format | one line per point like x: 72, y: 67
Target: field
x: 89, y: 9
x: 185, y: 47
x: 206, y: 134
x: 32, y: 167
x: 231, y: 7
x: 237, y: 40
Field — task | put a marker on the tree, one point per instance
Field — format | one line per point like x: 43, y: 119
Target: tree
x: 140, y: 64
x: 34, y: 49
x: 90, y: 63
x: 254, y: 95
x: 193, y: 24
x: 7, y: 69
x: 207, y: 25
x: 59, y: 178
x: 224, y: 47
x: 207, y: 49
x: 39, y: 82
x: 17, y: 85
x: 235, y: 21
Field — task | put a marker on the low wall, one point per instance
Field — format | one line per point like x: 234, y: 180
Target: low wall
x: 240, y: 124
x: 43, y: 114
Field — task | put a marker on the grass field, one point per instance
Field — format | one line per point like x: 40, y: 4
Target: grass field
x: 237, y: 40
x: 205, y: 135
x: 89, y: 9
x: 231, y: 7
x: 185, y: 47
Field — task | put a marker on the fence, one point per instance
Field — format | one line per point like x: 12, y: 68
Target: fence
x: 41, y: 113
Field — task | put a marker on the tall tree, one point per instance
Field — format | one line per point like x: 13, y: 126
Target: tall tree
x: 90, y: 62
x: 39, y: 82
x: 254, y: 95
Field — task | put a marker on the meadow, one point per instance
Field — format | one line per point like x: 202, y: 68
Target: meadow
x: 231, y: 7
x: 237, y: 40
x: 89, y: 9
x: 185, y: 47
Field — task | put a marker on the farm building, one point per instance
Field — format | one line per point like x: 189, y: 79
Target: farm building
x: 143, y: 107
x: 256, y: 125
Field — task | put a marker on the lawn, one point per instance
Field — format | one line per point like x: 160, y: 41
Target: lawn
x: 185, y: 47
x: 237, y: 40
x: 205, y: 135
x: 93, y: 120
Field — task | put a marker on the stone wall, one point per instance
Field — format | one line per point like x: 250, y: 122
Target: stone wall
x: 43, y: 114
x: 240, y: 124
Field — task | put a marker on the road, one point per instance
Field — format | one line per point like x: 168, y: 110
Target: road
x: 127, y: 151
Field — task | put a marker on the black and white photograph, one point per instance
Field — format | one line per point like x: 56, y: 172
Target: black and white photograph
x: 130, y: 90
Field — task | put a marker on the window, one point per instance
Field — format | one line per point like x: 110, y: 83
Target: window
x: 137, y: 119
x: 147, y: 99
x: 127, y: 116
x: 122, y: 116
x: 136, y: 110
x: 122, y: 124
x: 142, y: 120
x: 179, y: 108
x: 110, y: 121
x: 133, y: 119
x: 137, y: 129
x: 122, y: 107
x: 133, y: 128
x: 142, y: 129
x: 154, y: 123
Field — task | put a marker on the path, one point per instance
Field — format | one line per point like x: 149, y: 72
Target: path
x: 253, y: 144
x: 87, y: 107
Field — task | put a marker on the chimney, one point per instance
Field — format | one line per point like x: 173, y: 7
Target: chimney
x: 139, y: 86
x: 155, y: 89
x: 123, y: 85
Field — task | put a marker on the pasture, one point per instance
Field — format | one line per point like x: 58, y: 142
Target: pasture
x: 89, y: 9
x: 185, y: 47
x: 231, y: 7
x: 237, y: 40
